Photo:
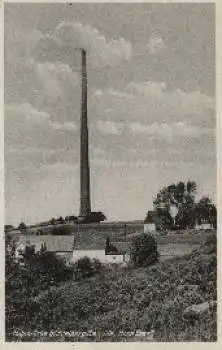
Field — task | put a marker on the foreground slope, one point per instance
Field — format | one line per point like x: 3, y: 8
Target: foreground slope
x: 151, y: 299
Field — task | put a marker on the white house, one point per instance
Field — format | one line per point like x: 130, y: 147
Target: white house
x: 203, y: 226
x: 100, y: 255
x: 70, y: 250
x: 149, y: 223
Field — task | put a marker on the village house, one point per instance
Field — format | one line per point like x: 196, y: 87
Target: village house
x: 66, y: 247
x: 203, y: 226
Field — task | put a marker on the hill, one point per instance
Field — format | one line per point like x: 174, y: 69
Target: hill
x: 150, y: 299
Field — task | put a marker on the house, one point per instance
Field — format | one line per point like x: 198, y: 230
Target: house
x: 119, y: 255
x: 61, y: 245
x: 149, y: 223
x: 203, y: 226
x: 70, y: 250
x: 115, y: 258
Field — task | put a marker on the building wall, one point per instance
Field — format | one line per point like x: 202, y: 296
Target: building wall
x: 149, y: 227
x: 100, y: 255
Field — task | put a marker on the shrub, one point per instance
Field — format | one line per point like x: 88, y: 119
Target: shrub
x: 85, y: 267
x: 210, y: 244
x: 22, y: 227
x: 144, y: 250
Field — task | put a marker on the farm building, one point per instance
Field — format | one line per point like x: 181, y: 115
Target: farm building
x: 204, y: 226
x: 66, y: 247
x: 115, y: 258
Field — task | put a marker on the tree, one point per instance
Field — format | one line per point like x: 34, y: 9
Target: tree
x: 71, y: 218
x: 95, y: 217
x: 22, y: 227
x: 144, y: 250
x: 186, y: 217
x: 86, y: 267
x: 206, y: 211
x: 52, y: 221
x: 23, y: 283
x: 163, y: 219
x: 61, y: 220
x: 178, y: 198
x: 8, y: 228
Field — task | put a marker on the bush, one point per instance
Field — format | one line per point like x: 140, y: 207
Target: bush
x: 22, y: 227
x: 40, y: 271
x: 85, y: 267
x: 144, y: 250
x: 210, y: 244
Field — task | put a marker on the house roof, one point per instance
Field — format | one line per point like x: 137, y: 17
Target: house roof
x: 53, y: 243
x: 123, y: 247
x: 66, y: 243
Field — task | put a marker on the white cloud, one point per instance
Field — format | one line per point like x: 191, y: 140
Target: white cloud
x: 155, y: 44
x: 168, y: 131
x: 98, y: 93
x: 56, y: 79
x: 151, y: 102
x: 151, y: 129
x: 70, y: 35
x: 24, y: 112
x: 146, y: 88
x: 67, y: 126
x: 110, y: 127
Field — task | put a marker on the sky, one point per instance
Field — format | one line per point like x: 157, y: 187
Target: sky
x: 151, y: 105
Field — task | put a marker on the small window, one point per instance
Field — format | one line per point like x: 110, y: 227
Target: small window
x: 114, y: 257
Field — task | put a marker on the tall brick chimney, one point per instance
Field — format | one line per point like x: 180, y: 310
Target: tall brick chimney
x: 85, y: 204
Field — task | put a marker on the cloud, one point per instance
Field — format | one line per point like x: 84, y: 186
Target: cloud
x: 67, y: 126
x: 56, y: 79
x: 168, y: 131
x: 151, y: 102
x: 24, y: 113
x: 61, y: 44
x: 155, y: 44
x: 146, y: 88
x: 27, y: 116
x: 110, y: 127
x: 150, y: 117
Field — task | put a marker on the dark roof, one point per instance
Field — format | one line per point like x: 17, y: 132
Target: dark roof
x: 66, y: 243
x: 122, y: 247
x: 53, y: 243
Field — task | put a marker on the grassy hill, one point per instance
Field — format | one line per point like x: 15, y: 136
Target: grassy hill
x: 152, y: 298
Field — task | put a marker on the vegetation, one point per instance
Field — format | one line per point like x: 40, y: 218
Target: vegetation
x: 22, y: 227
x: 8, y: 228
x: 94, y: 217
x: 86, y: 267
x: 144, y: 250
x: 71, y: 218
x: 176, y: 207
x: 115, y: 299
x: 35, y: 273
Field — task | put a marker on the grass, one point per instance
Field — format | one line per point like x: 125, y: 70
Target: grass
x: 126, y: 299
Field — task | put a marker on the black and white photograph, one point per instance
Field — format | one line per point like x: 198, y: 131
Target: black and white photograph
x: 110, y: 161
